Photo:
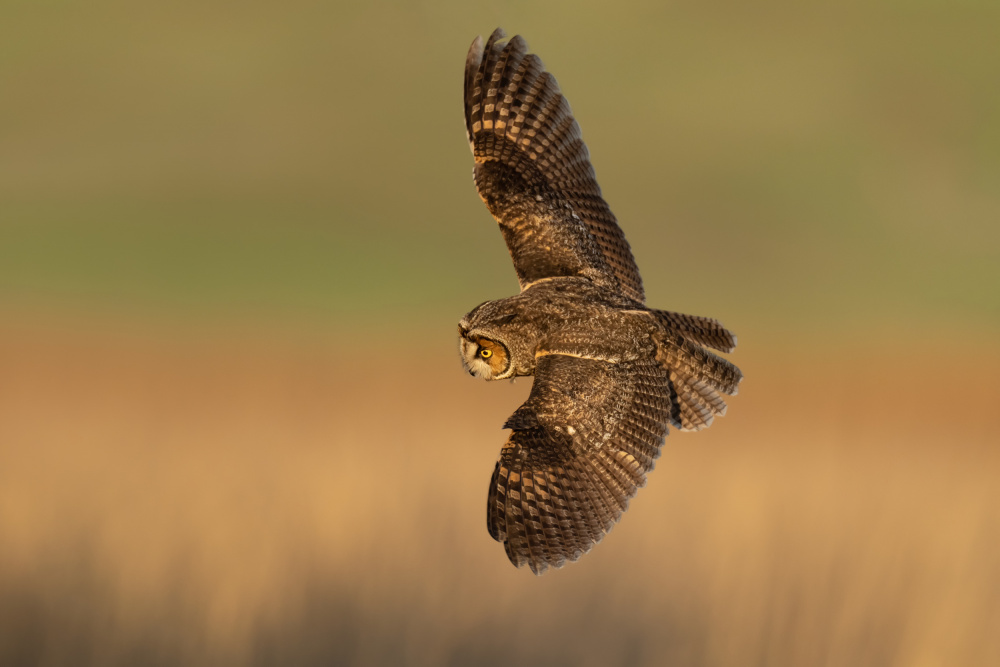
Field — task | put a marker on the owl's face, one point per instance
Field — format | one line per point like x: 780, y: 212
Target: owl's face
x: 483, y: 357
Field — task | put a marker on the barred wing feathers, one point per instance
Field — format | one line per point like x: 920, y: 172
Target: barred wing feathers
x: 533, y: 171
x: 580, y: 449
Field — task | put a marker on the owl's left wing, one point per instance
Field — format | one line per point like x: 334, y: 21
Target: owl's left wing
x: 533, y: 171
x: 580, y: 449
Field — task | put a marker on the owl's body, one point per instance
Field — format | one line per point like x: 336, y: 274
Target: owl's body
x: 556, y: 308
x: 610, y: 373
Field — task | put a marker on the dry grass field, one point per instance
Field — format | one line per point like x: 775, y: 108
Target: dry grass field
x: 289, y: 500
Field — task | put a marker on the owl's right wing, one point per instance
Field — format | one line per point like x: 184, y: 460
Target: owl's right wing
x: 580, y: 449
x: 533, y: 171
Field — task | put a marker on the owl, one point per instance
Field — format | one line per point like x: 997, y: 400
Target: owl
x: 610, y: 374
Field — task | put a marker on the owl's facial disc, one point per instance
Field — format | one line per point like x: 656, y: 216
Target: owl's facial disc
x: 485, y: 358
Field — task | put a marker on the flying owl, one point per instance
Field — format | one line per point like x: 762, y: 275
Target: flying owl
x: 610, y: 373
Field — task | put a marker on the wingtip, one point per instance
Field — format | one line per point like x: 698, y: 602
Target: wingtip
x: 497, y: 35
x: 477, y: 49
x: 475, y: 55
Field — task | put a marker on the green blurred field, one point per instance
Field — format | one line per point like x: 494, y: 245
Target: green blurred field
x: 234, y: 243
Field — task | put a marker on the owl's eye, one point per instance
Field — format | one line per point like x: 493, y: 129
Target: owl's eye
x: 485, y: 354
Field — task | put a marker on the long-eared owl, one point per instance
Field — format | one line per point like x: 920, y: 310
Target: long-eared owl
x: 610, y: 374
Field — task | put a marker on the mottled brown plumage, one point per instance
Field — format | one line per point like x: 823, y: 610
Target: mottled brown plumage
x: 610, y: 374
x: 532, y: 165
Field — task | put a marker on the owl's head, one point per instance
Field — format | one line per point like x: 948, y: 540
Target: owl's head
x: 484, y: 357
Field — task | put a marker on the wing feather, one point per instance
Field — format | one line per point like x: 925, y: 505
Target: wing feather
x: 580, y: 449
x: 533, y: 171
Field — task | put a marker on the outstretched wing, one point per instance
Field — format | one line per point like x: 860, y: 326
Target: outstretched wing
x: 580, y: 449
x: 534, y: 173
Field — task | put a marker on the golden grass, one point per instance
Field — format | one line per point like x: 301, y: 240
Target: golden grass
x: 265, y: 501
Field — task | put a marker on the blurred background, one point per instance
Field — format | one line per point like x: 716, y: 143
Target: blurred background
x: 235, y: 240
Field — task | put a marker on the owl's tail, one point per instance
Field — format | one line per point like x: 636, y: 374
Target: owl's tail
x: 700, y: 378
x: 700, y: 330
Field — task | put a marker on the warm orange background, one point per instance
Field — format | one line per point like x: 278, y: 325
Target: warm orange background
x: 234, y: 244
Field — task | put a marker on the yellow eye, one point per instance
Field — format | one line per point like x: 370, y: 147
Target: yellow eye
x: 485, y: 354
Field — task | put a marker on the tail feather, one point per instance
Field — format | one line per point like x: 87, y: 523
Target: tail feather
x: 699, y: 377
x: 691, y: 361
x: 699, y: 402
x: 701, y: 330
